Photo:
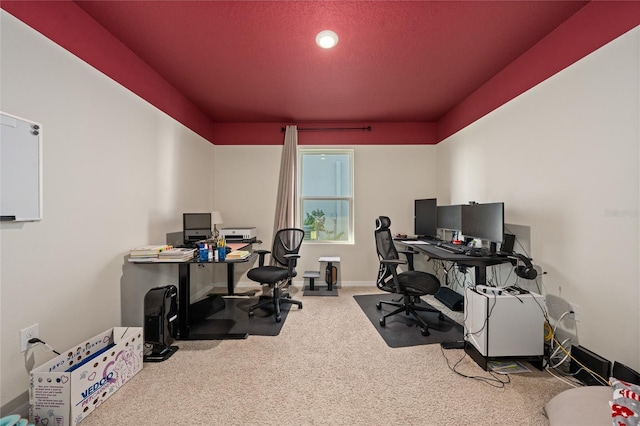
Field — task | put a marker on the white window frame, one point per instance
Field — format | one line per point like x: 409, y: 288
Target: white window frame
x: 350, y: 199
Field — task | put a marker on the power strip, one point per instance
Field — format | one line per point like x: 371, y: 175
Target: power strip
x: 496, y: 291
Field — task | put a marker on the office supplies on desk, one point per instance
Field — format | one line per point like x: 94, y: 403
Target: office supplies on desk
x: 238, y: 254
x: 151, y: 250
x: 478, y: 252
x: 181, y: 253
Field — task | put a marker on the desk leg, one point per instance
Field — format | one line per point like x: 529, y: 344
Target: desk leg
x: 230, y: 290
x: 481, y: 275
x: 184, y: 290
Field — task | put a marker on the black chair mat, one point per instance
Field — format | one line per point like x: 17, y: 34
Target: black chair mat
x: 402, y: 330
x: 234, y: 319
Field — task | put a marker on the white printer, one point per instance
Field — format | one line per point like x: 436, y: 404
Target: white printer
x: 245, y: 234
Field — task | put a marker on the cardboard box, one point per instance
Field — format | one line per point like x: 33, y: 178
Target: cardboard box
x: 66, y: 389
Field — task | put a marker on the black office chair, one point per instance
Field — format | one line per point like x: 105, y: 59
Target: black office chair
x: 284, y: 253
x: 411, y: 284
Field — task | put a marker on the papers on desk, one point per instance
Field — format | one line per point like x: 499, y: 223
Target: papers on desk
x: 238, y: 254
x: 161, y: 253
x: 149, y: 250
x: 179, y: 253
x: 153, y: 260
x: 414, y: 242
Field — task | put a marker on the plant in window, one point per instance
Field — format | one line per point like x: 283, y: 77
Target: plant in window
x: 314, y: 222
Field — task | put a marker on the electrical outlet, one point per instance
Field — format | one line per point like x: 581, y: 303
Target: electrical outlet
x: 28, y: 333
x: 576, y: 311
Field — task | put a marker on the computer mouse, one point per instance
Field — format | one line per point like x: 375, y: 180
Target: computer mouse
x: 474, y: 253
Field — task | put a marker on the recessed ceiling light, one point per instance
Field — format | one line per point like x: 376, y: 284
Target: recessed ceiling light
x: 327, y: 39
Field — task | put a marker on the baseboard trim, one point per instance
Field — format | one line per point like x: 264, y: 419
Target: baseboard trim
x: 19, y: 405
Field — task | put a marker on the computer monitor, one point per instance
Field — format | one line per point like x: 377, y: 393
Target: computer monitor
x: 196, y: 227
x: 483, y: 221
x: 450, y: 217
x: 426, y: 217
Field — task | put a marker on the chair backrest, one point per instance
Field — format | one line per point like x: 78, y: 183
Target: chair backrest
x: 386, y: 250
x: 384, y: 241
x: 286, y: 241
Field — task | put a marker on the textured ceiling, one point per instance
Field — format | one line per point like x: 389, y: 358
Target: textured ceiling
x: 398, y: 61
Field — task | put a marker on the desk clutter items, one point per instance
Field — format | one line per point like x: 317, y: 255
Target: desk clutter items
x: 161, y: 253
x: 238, y: 254
x: 151, y: 250
x: 66, y: 389
x: 177, y: 253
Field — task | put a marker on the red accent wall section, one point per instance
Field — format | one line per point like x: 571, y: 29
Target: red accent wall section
x: 593, y: 26
x: 385, y: 133
x: 67, y: 25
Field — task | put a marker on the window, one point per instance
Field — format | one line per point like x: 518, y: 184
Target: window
x: 326, y: 195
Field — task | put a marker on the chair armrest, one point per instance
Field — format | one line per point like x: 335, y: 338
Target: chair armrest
x: 393, y: 262
x: 291, y: 261
x: 262, y: 254
x: 409, y: 254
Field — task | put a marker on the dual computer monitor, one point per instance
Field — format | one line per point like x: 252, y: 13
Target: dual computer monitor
x: 483, y: 221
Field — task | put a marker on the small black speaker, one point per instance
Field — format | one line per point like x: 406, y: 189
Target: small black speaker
x: 450, y: 299
x: 507, y: 244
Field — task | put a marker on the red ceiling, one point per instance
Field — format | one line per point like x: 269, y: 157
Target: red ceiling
x: 257, y: 62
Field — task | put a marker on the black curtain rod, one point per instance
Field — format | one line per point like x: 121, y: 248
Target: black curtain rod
x: 322, y: 129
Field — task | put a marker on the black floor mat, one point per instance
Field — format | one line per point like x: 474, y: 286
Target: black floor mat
x: 234, y: 320
x: 402, y: 330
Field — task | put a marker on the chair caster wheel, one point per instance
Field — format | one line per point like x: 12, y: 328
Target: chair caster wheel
x: 250, y: 313
x: 300, y: 306
x: 382, y: 322
x: 424, y: 332
x: 441, y: 316
x: 378, y: 306
x: 278, y: 318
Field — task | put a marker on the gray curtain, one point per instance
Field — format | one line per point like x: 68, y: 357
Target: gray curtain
x: 287, y: 201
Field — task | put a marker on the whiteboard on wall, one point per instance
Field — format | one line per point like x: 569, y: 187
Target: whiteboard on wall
x: 20, y: 169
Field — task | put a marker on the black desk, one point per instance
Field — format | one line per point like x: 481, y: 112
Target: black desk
x: 190, y: 313
x: 478, y: 263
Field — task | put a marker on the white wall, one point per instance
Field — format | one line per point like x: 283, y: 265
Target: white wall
x: 118, y: 173
x: 564, y: 157
x: 387, y: 180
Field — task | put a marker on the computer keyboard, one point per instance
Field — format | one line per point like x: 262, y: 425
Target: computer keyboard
x: 452, y: 248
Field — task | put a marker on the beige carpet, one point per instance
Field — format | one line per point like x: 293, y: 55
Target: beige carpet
x: 328, y: 366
